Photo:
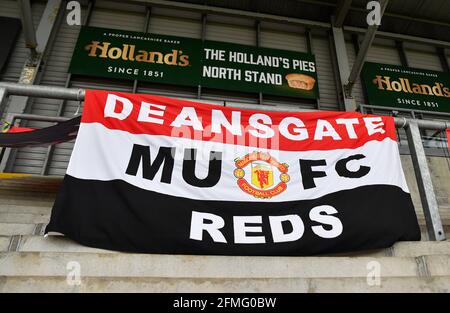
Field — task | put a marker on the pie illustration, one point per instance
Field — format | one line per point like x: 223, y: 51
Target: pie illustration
x: 300, y: 81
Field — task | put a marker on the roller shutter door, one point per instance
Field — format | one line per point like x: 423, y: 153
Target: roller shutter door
x: 175, y: 23
x: 327, y: 83
x: 357, y: 91
x: 424, y: 57
x: 117, y: 19
x: 283, y: 37
x: 383, y: 51
x: 230, y: 29
x: 448, y: 59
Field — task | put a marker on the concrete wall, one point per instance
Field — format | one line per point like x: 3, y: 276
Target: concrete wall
x: 440, y: 175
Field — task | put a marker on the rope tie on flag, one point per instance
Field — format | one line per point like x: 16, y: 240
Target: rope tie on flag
x: 404, y: 122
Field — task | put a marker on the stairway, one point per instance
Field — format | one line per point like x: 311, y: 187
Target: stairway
x: 31, y: 263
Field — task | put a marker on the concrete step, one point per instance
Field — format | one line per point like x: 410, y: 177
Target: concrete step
x: 63, y: 244
x: 31, y: 201
x: 12, y: 208
x: 11, y: 181
x: 407, y: 249
x: 50, y: 244
x: 231, y: 285
x: 13, y: 229
x: 49, y: 264
x: 24, y: 218
x: 4, y: 243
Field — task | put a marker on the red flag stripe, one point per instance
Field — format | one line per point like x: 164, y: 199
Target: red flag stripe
x: 341, y: 135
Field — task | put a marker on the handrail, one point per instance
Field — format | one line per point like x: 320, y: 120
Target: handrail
x: 362, y: 108
x: 39, y: 118
x: 78, y: 94
x: 41, y: 91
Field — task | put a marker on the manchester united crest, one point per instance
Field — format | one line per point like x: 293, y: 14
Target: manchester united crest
x: 266, y: 176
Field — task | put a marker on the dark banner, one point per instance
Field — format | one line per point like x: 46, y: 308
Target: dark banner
x: 9, y: 30
x: 159, y: 175
x: 193, y: 62
x: 17, y: 137
x: 408, y: 88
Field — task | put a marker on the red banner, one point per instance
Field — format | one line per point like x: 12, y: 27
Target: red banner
x: 15, y: 129
x: 448, y: 138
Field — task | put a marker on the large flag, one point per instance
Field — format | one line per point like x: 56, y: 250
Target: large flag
x: 159, y: 175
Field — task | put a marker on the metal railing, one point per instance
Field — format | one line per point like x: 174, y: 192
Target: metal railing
x: 412, y: 126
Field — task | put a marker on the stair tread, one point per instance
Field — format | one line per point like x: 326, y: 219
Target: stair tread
x: 221, y: 285
x: 30, y: 243
x: 24, y: 218
x: 4, y: 243
x: 13, y: 229
x: 158, y: 265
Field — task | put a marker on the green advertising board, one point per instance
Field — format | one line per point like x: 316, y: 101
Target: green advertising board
x: 408, y: 88
x: 192, y: 62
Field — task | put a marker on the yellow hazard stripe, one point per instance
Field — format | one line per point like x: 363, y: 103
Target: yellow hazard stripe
x: 13, y: 175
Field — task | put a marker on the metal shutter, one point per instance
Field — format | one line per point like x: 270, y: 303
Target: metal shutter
x: 357, y: 91
x: 283, y: 37
x: 175, y: 23
x: 421, y: 56
x: 383, y: 51
x: 327, y: 83
x: 20, y: 53
x: 117, y: 19
x: 231, y: 29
